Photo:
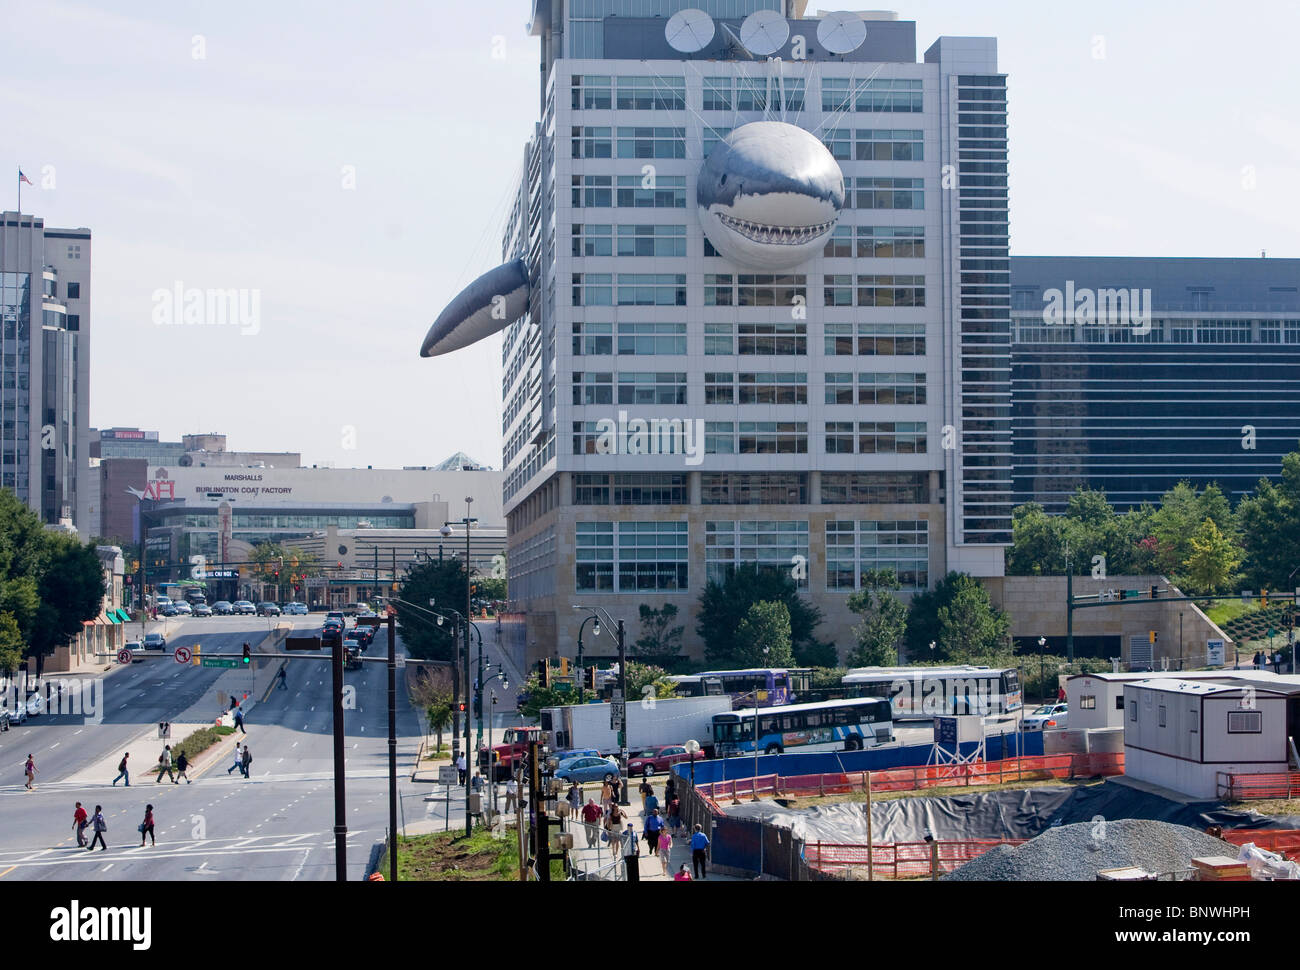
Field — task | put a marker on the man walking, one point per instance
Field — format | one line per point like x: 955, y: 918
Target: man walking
x: 461, y: 768
x: 100, y: 827
x: 239, y: 718
x: 512, y: 795
x: 699, y: 852
x: 282, y: 678
x: 238, y: 763
x: 79, y: 822
x: 245, y: 760
x: 591, y: 816
x: 165, y: 764
x: 182, y: 766
x: 122, y: 772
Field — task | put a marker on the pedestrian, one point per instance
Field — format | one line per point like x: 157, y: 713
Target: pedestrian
x: 1060, y: 695
x: 122, y: 772
x: 79, y: 822
x: 245, y: 760
x: 478, y: 783
x: 670, y: 789
x: 682, y: 875
x: 239, y: 718
x: 512, y: 795
x: 29, y: 769
x: 675, y: 817
x: 100, y: 827
x: 238, y: 763
x: 614, y: 828
x: 631, y: 844
x: 282, y: 679
x: 462, y: 767
x: 616, y: 789
x: 699, y: 852
x: 651, y: 802
x: 654, y: 826
x: 590, y: 818
x: 165, y: 764
x: 605, y: 789
x: 1277, y: 661
x: 182, y: 766
x: 146, y: 827
x: 665, y: 849
x: 1255, y: 660
x: 575, y: 799
x: 646, y: 789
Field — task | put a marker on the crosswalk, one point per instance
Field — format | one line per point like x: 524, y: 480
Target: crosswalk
x: 186, y: 848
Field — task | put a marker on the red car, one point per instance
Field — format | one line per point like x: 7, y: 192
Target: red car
x: 653, y: 760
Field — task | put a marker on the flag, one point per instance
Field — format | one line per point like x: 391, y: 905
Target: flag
x: 24, y: 178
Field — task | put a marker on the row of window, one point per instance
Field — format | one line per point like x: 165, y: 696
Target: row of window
x: 633, y: 556
x: 752, y: 488
x: 864, y: 339
x: 669, y: 191
x: 725, y: 387
x: 631, y: 240
x: 876, y: 145
x: 726, y: 289
x: 593, y: 92
x: 778, y: 438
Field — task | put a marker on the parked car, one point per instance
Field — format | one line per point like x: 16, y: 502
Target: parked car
x: 586, y: 769
x: 222, y: 608
x: 656, y: 759
x: 155, y: 641
x: 268, y: 609
x: 295, y: 609
x: 202, y: 609
x: 562, y: 756
x: 244, y: 608
x: 19, y: 714
x: 352, y: 609
x: 182, y: 608
x: 1047, y: 716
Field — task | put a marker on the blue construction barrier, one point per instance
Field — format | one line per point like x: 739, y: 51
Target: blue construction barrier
x: 830, y: 762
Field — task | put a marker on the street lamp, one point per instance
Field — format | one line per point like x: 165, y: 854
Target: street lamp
x: 595, y: 631
x: 1042, y: 677
x: 622, y: 691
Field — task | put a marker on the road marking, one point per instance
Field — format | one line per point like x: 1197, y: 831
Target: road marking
x: 279, y: 761
x: 295, y: 744
x: 78, y: 731
x: 7, y: 871
x: 55, y: 745
x: 107, y: 867
x: 298, y: 871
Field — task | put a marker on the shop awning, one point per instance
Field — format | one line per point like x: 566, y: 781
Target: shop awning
x: 122, y: 616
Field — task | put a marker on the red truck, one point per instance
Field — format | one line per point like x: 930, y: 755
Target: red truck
x: 506, y: 756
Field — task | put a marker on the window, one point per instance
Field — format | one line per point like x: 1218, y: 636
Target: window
x: 594, y: 555
x: 592, y: 289
x: 719, y: 338
x: 719, y: 388
x: 875, y: 339
x: 1245, y: 722
x: 591, y: 143
x: 839, y: 437
x: 902, y: 291
x: 765, y: 289
x: 874, y: 488
x: 592, y: 338
x: 652, y: 388
x: 646, y: 142
x: 855, y: 547
x: 889, y: 193
x: 890, y: 242
x: 839, y: 389
x: 651, y: 94
x: 1163, y: 714
x: 777, y: 388
x: 891, y: 388
x: 840, y: 243
x: 592, y: 191
x: 1088, y: 702
x: 1133, y: 711
x: 660, y: 192
x: 630, y: 488
x: 731, y: 488
x: 718, y: 289
x: 751, y: 93
x: 652, y: 289
x: 653, y: 240
x: 592, y: 240
x: 891, y: 438
x: 709, y: 141
x: 590, y: 92
x: 837, y: 290
x: 719, y: 438
x: 652, y: 338
x: 652, y: 555
x: 770, y: 545
x: 593, y: 388
x: 877, y: 94
x: 1119, y: 703
x: 773, y: 339
x: 772, y: 438
x: 74, y: 291
x: 1194, y: 720
x: 717, y: 94
x: 884, y: 145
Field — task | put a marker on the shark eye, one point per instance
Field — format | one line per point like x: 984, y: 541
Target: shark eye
x: 723, y: 180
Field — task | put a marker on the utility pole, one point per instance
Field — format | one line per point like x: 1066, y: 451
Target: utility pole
x: 1069, y: 597
x: 622, y: 734
x: 392, y: 747
x: 340, y: 799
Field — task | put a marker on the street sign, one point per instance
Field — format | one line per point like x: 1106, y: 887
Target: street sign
x: 182, y: 655
x: 616, y: 693
x: 302, y: 643
x: 400, y: 661
x: 164, y: 730
x: 448, y: 775
x: 1214, y: 653
x: 617, y: 711
x: 219, y: 661
x: 124, y: 656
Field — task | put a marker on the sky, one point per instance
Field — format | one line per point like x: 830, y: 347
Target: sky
x: 350, y: 167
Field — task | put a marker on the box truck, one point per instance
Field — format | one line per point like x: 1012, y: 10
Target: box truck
x: 649, y: 723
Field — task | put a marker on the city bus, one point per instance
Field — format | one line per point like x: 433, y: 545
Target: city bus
x: 844, y: 725
x: 769, y: 686
x: 926, y: 692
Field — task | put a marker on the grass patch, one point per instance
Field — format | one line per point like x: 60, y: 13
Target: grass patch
x: 443, y: 752
x: 195, y: 744
x: 451, y: 857
x: 1268, y: 806
x: 1224, y: 611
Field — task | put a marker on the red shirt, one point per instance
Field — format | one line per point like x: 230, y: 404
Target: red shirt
x: 148, y: 819
x: 590, y: 813
x: 79, y: 815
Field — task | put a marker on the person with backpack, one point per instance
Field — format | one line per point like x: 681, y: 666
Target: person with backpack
x: 165, y: 764
x: 79, y: 822
x: 100, y: 827
x: 245, y: 760
x: 182, y: 766
x: 146, y: 827
x: 700, y: 852
x: 122, y: 772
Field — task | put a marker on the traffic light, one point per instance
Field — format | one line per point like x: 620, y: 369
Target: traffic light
x: 248, y: 656
x: 1263, y: 597
x: 591, y: 678
x: 1155, y: 592
x: 544, y: 673
x: 478, y: 705
x: 461, y: 707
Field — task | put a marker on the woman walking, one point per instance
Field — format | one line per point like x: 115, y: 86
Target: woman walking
x: 665, y: 849
x: 614, y: 826
x: 146, y: 827
x: 100, y: 827
x: 30, y: 770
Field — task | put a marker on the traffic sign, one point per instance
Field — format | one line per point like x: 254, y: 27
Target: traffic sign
x: 219, y: 661
x: 448, y: 775
x: 182, y: 655
x: 616, y: 714
x: 124, y: 656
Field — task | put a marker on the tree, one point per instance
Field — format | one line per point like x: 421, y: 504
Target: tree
x: 941, y: 615
x: 442, y: 581
x: 279, y: 565
x: 11, y: 644
x: 1214, y: 559
x: 640, y: 676
x: 660, y: 641
x: 1181, y: 512
x: 724, y: 605
x: 1269, y: 522
x: 763, y: 636
x: 432, y: 694
x: 72, y: 591
x: 884, y: 620
x: 816, y: 653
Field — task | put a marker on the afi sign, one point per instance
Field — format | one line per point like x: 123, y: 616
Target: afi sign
x: 160, y: 489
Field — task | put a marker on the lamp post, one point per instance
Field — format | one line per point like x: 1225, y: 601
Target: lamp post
x: 468, y: 522
x: 1042, y: 642
x: 595, y: 632
x: 622, y: 690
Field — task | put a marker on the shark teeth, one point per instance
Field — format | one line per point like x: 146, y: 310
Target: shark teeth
x: 775, y: 235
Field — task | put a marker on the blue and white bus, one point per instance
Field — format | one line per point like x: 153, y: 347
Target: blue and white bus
x: 845, y: 725
x: 926, y: 692
x: 769, y: 686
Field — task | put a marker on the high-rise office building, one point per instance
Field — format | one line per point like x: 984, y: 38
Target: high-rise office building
x: 840, y: 410
x: 45, y: 360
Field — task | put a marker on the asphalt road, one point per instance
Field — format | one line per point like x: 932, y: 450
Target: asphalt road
x: 277, y: 824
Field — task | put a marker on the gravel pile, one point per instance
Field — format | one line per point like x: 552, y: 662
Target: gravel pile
x: 1076, y: 852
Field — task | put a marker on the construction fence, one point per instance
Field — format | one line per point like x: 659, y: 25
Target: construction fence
x: 894, y: 860
x: 1234, y: 787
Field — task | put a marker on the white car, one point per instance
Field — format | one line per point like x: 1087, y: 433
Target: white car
x: 1047, y: 717
x: 183, y: 608
x: 19, y: 714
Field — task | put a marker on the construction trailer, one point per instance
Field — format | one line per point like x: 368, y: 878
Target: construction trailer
x: 1097, y: 700
x: 1181, y: 734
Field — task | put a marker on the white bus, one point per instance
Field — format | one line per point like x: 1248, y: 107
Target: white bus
x: 926, y: 692
x: 845, y: 725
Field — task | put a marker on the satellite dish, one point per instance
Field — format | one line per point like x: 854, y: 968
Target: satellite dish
x: 688, y: 31
x: 764, y: 32
x: 842, y: 32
